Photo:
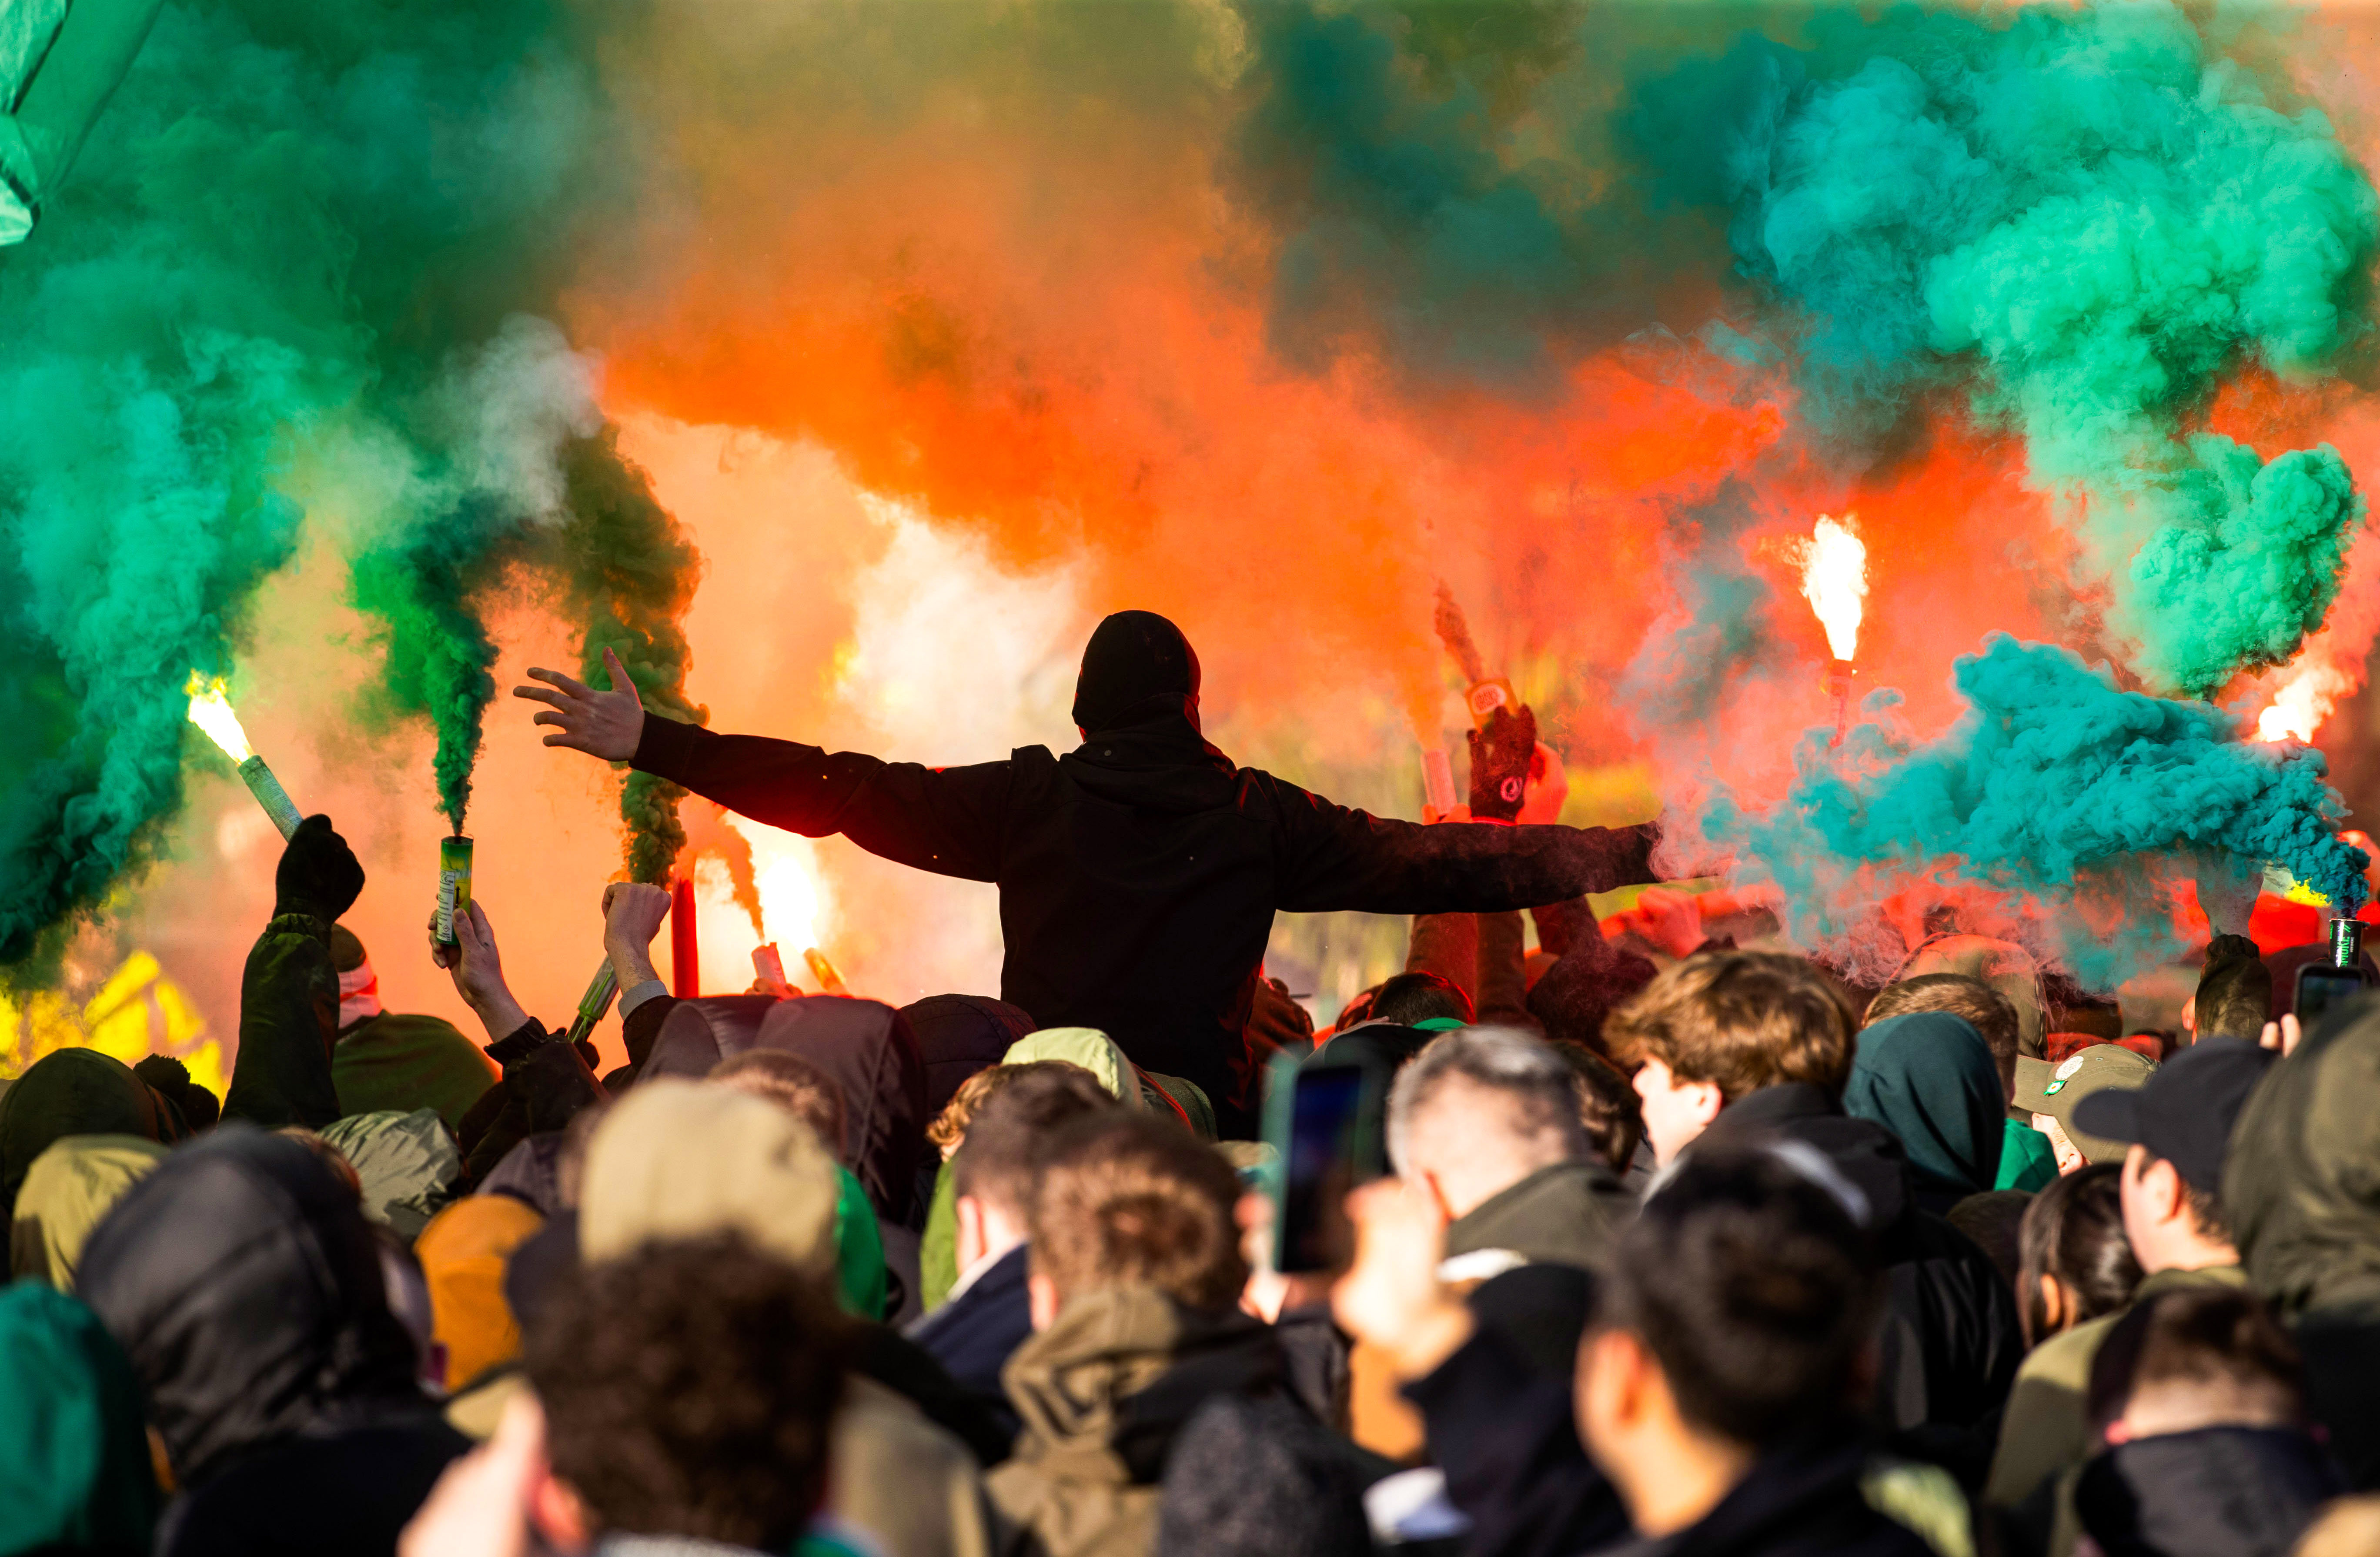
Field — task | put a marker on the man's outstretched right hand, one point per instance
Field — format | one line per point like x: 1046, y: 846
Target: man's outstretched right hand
x: 608, y: 724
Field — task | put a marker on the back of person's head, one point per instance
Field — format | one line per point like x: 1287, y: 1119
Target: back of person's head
x: 1410, y: 998
x: 1579, y: 992
x: 2074, y: 1262
x: 690, y: 1389
x: 2192, y: 1359
x: 2235, y: 990
x: 949, y: 1127
x: 76, y: 1476
x: 1751, y: 1285
x: 1993, y: 1220
x: 1609, y: 1109
x: 1986, y: 1010
x: 2070, y: 1008
x: 1133, y: 1199
x: 243, y: 1281
x: 1740, y: 1021
x: 170, y: 1079
x: 1016, y: 1125
x: 792, y: 1083
x: 1486, y: 1092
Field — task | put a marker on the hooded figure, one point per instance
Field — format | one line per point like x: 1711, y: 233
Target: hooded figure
x: 75, y: 1476
x: 244, y: 1283
x: 1928, y: 1077
x: 2302, y: 1190
x: 397, y: 1060
x: 75, y: 1092
x: 407, y: 1163
x: 71, y: 1186
x: 1140, y: 873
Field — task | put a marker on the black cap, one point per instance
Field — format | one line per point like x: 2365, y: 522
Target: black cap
x: 2185, y: 1112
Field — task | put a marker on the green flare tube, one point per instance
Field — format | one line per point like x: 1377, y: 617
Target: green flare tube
x: 2346, y: 942
x: 595, y: 1002
x: 270, y: 795
x: 453, y: 885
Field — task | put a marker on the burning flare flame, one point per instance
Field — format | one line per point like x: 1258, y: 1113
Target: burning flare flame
x: 1834, y: 579
x: 210, y: 711
x: 2303, y: 702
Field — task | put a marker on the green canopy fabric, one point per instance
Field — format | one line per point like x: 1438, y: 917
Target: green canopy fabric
x: 59, y: 63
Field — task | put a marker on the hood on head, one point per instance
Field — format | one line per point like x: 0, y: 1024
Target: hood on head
x: 1087, y: 1047
x: 76, y: 1477
x: 684, y: 1160
x: 2301, y: 1180
x: 72, y: 1184
x: 241, y: 1279
x: 869, y: 1050
x: 72, y: 1092
x: 1929, y: 1079
x: 1137, y: 666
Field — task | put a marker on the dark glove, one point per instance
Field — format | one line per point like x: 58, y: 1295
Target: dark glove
x: 319, y: 874
x: 1500, y: 751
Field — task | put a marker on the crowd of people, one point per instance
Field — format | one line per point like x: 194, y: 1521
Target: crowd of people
x: 1687, y: 1249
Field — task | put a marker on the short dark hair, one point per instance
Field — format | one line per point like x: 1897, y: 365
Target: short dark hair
x: 1419, y: 997
x: 1609, y: 1109
x: 1134, y: 1199
x: 793, y: 1084
x: 1990, y: 1013
x: 2234, y: 999
x: 1741, y: 1020
x: 2206, y: 1206
x: 2222, y: 1340
x: 1008, y: 1135
x: 2074, y: 1231
x: 1754, y: 1291
x: 690, y: 1388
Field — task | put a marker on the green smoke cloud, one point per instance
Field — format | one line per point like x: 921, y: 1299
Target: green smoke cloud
x: 2054, y: 774
x: 301, y: 232
x: 2100, y: 218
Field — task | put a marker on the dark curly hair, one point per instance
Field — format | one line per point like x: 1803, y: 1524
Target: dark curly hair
x: 689, y: 1388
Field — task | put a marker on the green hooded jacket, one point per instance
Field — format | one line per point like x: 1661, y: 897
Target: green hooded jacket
x: 76, y: 1475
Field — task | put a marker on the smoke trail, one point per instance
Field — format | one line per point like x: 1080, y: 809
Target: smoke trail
x: 2097, y: 220
x: 2053, y: 775
x: 628, y: 572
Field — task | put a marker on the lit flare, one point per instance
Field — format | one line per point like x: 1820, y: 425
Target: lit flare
x: 210, y: 710
x: 1834, y: 580
x: 2303, y: 702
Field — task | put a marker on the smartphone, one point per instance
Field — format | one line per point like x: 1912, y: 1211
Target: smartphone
x: 2321, y: 986
x: 1324, y: 1124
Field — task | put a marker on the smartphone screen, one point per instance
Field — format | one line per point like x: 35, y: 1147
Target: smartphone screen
x: 2320, y: 988
x: 1326, y: 1131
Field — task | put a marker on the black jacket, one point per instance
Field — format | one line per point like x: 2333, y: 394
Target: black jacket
x: 1952, y: 1341
x: 1139, y: 873
x: 1801, y: 1500
x: 2216, y: 1493
x: 242, y: 1280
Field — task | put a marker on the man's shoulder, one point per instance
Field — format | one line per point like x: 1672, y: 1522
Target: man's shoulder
x: 2065, y: 1359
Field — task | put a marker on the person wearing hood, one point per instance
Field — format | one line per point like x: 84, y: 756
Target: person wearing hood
x: 2176, y: 1131
x: 1739, y: 1048
x: 76, y: 1475
x: 1929, y: 1080
x: 674, y: 1159
x: 70, y: 1186
x: 959, y: 1035
x: 2301, y: 1190
x: 76, y: 1092
x: 2027, y: 1161
x: 386, y: 1060
x: 244, y: 1283
x: 1155, y: 1413
x: 1138, y: 874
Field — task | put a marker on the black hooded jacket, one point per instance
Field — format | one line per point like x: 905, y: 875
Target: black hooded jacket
x: 1140, y: 873
x: 1952, y: 1340
x: 244, y: 1283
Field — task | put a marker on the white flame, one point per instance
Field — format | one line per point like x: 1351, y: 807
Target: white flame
x: 2303, y: 702
x: 210, y: 711
x: 785, y: 869
x: 1834, y: 577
